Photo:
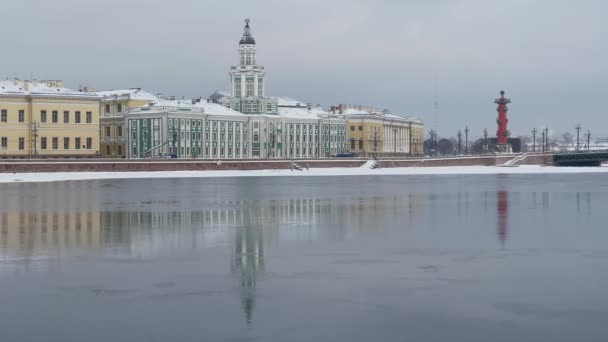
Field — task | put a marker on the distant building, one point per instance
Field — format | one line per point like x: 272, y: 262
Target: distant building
x: 114, y: 104
x: 42, y: 119
x: 375, y: 132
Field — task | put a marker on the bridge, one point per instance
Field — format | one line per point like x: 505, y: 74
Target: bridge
x: 581, y: 158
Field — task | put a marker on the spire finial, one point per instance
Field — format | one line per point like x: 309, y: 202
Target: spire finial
x: 247, y: 21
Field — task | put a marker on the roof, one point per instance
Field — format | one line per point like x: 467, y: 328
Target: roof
x: 208, y: 108
x: 133, y: 93
x: 288, y: 102
x: 390, y: 116
x: 24, y: 87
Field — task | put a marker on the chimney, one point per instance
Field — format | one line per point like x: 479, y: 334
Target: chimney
x: 16, y: 81
x: 26, y: 85
x: 59, y: 84
x: 309, y: 106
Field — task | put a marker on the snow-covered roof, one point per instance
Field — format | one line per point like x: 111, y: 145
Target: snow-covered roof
x: 222, y: 93
x: 19, y: 87
x: 208, y: 108
x: 133, y: 94
x: 288, y: 102
x: 390, y: 116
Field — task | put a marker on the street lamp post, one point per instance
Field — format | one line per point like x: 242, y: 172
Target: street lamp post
x: 534, y: 131
x: 544, y: 145
x: 588, y: 140
x: 578, y: 134
x: 547, y: 137
x: 459, y: 141
x: 485, y: 140
x: 466, y: 140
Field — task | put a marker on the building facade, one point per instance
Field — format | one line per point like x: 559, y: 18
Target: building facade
x: 114, y: 105
x: 180, y: 129
x: 42, y: 119
x: 194, y: 129
x: 373, y: 132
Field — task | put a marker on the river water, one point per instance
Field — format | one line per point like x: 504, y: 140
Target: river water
x: 380, y: 258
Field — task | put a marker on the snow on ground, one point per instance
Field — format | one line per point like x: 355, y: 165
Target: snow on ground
x: 361, y: 171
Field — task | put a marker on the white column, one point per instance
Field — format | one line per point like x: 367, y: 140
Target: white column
x: 243, y: 87
x: 255, y: 88
x: 241, y: 127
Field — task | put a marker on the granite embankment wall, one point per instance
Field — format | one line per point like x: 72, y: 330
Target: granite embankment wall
x: 105, y: 165
x: 532, y: 159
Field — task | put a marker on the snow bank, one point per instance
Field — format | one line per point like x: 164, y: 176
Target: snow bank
x: 361, y: 171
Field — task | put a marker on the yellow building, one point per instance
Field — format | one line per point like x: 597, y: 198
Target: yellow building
x: 114, y: 104
x: 45, y: 119
x: 372, y: 132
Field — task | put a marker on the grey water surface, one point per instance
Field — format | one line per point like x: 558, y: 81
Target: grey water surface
x: 381, y: 258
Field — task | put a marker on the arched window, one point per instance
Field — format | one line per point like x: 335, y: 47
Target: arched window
x: 248, y: 59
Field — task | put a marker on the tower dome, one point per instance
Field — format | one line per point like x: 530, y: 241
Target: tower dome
x: 247, y: 38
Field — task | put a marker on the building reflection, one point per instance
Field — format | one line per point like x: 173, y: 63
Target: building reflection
x: 502, y: 216
x: 139, y: 229
x: 79, y: 223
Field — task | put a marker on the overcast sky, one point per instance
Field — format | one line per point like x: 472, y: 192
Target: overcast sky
x: 549, y: 55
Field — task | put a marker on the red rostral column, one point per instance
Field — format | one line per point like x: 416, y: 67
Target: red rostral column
x: 503, y: 132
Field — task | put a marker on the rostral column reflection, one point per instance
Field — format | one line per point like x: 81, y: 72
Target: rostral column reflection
x: 502, y: 215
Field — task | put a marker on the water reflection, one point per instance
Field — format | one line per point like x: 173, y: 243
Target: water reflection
x: 146, y: 228
x: 248, y: 265
x: 502, y: 215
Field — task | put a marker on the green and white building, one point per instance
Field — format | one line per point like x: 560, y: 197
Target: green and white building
x: 241, y: 124
x: 185, y: 130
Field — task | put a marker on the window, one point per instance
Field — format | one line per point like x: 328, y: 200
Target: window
x: 54, y: 115
x: 119, y: 149
x: 249, y: 87
x: 4, y: 143
x: 237, y: 87
x: 89, y: 143
x: 55, y: 143
x: 269, y: 107
x: 352, y: 128
x: 77, y: 143
x: 360, y: 128
x: 3, y: 115
x: 21, y: 115
x: 260, y: 87
x: 119, y: 108
x: 107, y: 109
x: 22, y: 143
x: 43, y: 143
x: 43, y: 116
x: 119, y: 131
x: 77, y: 117
x: 360, y: 144
x: 66, y: 116
x: 107, y: 131
x: 89, y: 117
x: 66, y: 143
x: 248, y: 59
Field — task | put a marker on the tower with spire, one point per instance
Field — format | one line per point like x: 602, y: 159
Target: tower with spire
x: 247, y: 80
